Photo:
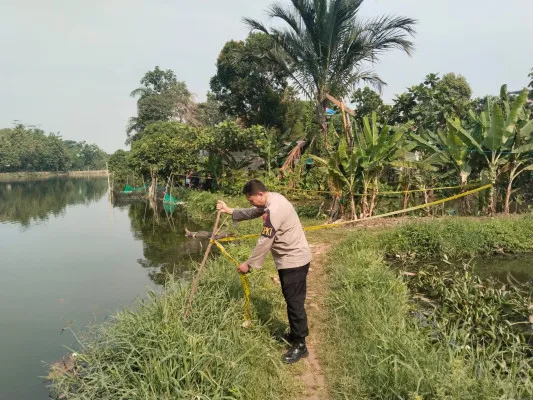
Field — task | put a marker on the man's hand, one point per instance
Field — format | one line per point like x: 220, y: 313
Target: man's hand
x: 221, y: 206
x: 244, y: 268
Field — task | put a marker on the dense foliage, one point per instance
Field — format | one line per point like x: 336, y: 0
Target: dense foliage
x: 254, y: 124
x: 30, y: 149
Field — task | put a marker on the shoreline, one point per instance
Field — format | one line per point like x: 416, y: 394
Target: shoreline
x: 29, y: 176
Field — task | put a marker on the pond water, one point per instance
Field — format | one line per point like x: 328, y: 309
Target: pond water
x: 70, y: 258
x: 519, y: 266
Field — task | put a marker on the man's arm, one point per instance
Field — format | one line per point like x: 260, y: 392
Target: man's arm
x: 271, y: 224
x: 240, y: 214
x: 259, y: 253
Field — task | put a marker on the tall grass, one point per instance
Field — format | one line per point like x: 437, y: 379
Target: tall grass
x: 379, y: 348
x: 459, y: 237
x: 153, y: 353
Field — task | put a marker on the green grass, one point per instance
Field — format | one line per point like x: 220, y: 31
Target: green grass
x: 378, y: 350
x: 153, y: 353
x: 459, y: 237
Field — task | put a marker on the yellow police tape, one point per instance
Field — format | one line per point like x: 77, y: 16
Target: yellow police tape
x: 382, y: 193
x: 419, y: 207
x: 244, y: 282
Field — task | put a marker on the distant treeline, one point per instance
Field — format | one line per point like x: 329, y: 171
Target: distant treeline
x: 25, y: 148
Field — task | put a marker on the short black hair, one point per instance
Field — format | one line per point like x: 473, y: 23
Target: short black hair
x: 253, y: 187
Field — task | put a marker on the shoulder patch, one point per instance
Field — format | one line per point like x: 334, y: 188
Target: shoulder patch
x: 268, y: 230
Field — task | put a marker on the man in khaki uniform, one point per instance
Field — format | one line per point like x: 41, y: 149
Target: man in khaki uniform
x: 283, y: 235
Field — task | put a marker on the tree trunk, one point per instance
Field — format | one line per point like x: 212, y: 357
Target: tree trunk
x: 508, y: 195
x: 334, y: 210
x: 153, y: 186
x: 465, y: 201
x: 426, y: 201
x: 492, y: 193
x: 364, y: 203
x: 372, y: 201
x: 321, y: 118
x: 405, y: 201
x: 352, y: 205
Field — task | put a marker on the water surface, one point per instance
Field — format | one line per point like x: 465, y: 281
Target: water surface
x: 69, y: 258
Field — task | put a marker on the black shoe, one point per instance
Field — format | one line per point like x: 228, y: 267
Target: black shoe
x: 297, y: 351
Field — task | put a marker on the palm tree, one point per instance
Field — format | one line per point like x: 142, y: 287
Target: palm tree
x: 324, y: 46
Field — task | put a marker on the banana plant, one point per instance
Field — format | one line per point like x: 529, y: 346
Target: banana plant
x: 376, y: 148
x: 447, y: 148
x: 494, y: 135
x: 342, y: 167
x: 521, y: 157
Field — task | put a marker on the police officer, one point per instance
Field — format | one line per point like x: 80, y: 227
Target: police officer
x: 282, y: 234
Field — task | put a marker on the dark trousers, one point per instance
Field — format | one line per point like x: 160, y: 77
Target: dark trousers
x: 294, y: 287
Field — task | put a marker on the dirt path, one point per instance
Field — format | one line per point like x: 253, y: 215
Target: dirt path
x: 313, y: 376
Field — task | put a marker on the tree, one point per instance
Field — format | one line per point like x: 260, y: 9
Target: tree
x: 446, y: 148
x: 324, y: 46
x: 208, y: 112
x: 165, y: 148
x: 366, y: 102
x: 375, y: 148
x: 119, y: 165
x: 430, y: 103
x: 161, y: 98
x: 155, y: 82
x: 85, y: 156
x: 25, y: 148
x: 248, y: 85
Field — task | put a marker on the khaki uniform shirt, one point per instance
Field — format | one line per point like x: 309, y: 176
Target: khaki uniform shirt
x: 282, y: 233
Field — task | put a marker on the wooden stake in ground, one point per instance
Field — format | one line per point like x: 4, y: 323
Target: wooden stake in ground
x: 201, y: 268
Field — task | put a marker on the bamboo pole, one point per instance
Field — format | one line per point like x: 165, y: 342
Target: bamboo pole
x: 201, y: 268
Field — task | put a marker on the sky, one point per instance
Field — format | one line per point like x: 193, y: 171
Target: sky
x: 68, y: 66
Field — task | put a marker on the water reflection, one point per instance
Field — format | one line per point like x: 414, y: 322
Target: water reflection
x: 76, y: 260
x: 518, y: 267
x: 166, y: 250
x: 30, y: 202
x: 161, y: 229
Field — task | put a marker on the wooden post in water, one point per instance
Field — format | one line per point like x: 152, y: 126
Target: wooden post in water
x: 201, y: 268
